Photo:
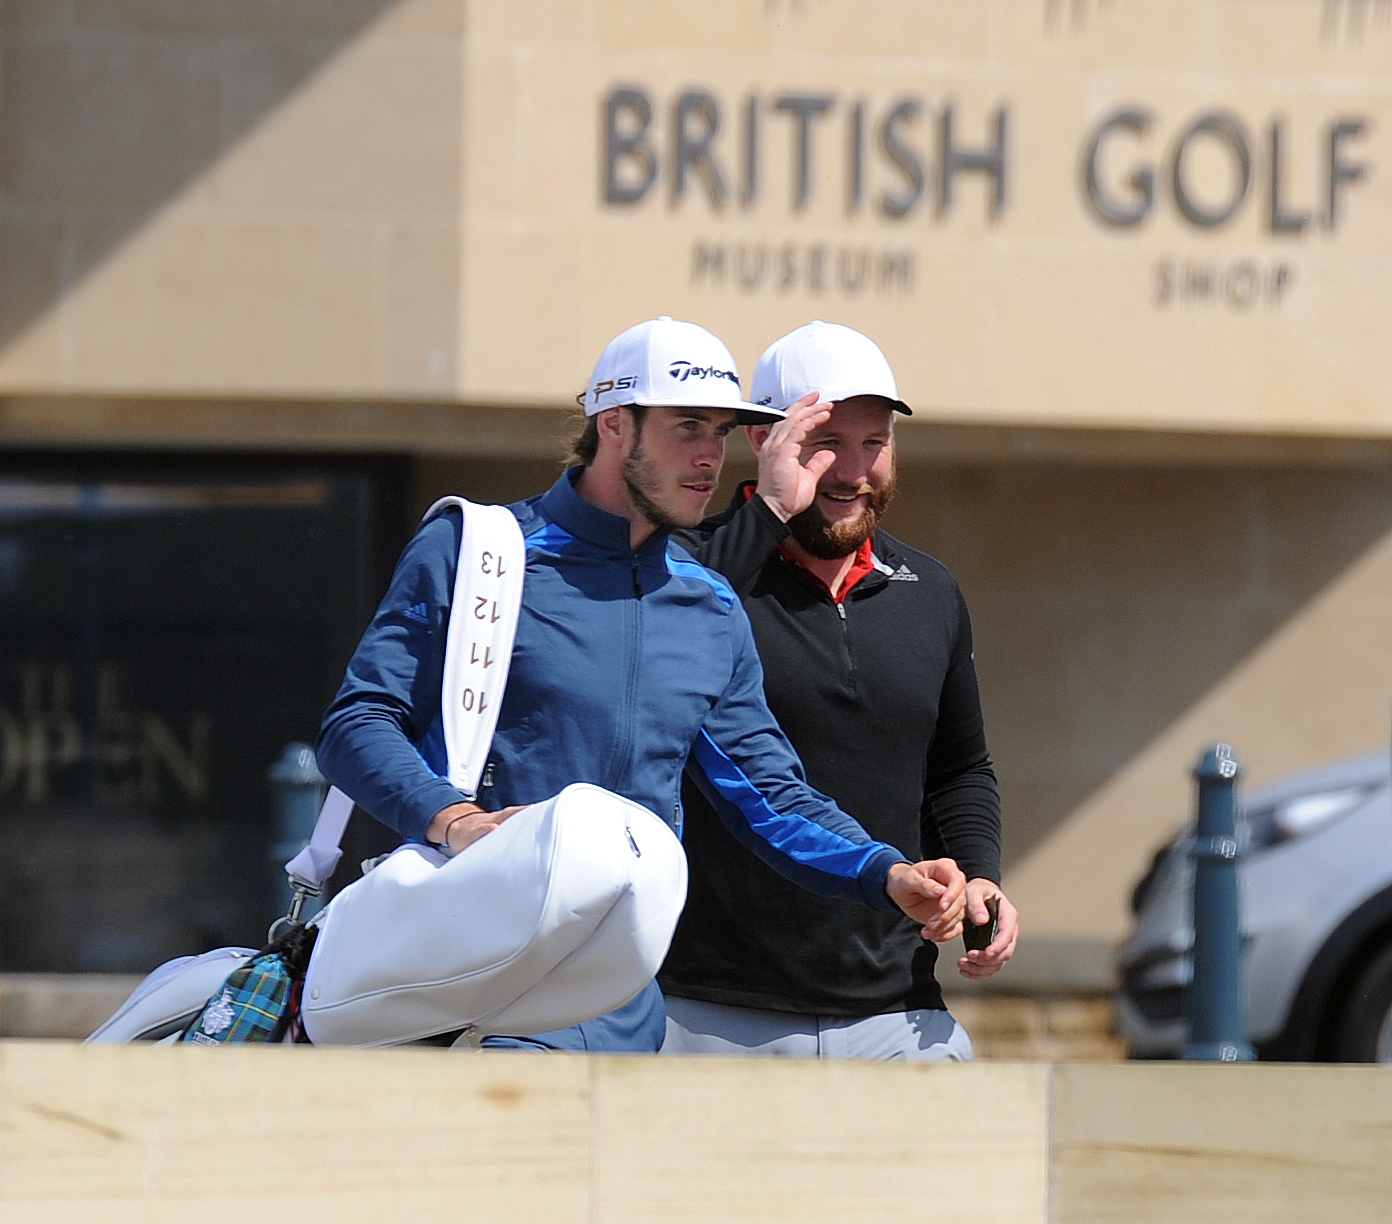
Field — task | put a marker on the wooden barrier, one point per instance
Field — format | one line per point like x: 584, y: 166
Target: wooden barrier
x: 116, y: 1134
x: 1189, y: 1143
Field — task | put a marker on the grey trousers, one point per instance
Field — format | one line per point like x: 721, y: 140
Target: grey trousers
x: 925, y: 1035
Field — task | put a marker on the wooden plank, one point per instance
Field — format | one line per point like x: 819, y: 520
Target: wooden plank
x: 148, y: 1135
x: 728, y: 1141
x: 141, y: 1134
x: 1194, y: 1144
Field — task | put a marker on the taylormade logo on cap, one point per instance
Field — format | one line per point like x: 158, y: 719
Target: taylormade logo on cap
x: 682, y: 370
x: 836, y: 361
x: 665, y: 362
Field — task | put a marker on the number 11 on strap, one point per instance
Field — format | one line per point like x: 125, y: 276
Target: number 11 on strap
x: 480, y: 656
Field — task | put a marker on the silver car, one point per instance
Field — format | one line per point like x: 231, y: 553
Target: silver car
x: 1316, y: 904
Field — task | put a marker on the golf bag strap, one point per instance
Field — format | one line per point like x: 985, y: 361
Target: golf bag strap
x: 482, y: 626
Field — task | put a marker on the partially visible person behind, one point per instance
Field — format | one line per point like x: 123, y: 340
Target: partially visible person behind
x: 629, y: 658
x: 867, y: 653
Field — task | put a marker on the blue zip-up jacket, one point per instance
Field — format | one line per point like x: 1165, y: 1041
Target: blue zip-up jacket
x: 625, y: 664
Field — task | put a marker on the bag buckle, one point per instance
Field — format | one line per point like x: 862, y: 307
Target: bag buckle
x: 299, y: 893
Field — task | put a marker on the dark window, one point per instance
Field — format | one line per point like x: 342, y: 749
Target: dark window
x: 163, y: 635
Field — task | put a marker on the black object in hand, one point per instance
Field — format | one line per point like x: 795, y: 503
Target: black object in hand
x: 978, y: 938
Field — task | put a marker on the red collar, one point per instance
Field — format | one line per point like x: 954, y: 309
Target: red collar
x: 862, y: 566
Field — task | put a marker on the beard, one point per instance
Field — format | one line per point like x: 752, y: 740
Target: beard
x: 643, y: 486
x: 828, y: 541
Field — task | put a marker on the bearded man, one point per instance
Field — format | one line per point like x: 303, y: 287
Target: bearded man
x: 867, y: 653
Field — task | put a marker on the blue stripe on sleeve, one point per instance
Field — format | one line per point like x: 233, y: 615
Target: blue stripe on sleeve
x: 809, y: 854
x: 680, y: 567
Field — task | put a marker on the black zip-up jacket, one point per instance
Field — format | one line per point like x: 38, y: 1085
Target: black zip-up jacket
x: 879, y: 697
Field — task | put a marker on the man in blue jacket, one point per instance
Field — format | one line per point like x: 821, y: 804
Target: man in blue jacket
x: 629, y: 659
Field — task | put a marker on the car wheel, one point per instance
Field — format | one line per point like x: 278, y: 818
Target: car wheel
x: 1363, y: 1034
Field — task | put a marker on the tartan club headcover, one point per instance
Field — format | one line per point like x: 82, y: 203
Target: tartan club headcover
x: 253, y: 1005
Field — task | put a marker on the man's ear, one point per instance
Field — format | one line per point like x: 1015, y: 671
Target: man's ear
x: 758, y: 435
x: 609, y: 423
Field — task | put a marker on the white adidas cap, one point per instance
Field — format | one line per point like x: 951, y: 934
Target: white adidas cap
x: 667, y: 363
x: 837, y: 361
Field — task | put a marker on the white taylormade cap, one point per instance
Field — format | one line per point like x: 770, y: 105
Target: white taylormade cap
x: 667, y: 363
x: 834, y: 360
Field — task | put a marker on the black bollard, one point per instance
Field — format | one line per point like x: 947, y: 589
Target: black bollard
x: 299, y: 793
x: 1217, y: 1031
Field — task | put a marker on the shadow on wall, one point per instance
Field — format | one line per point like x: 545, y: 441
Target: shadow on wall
x: 109, y: 108
x: 1106, y: 601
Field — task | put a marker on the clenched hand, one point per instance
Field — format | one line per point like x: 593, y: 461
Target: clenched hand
x: 932, y: 892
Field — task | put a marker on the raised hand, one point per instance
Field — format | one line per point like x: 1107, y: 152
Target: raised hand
x: 787, y: 478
